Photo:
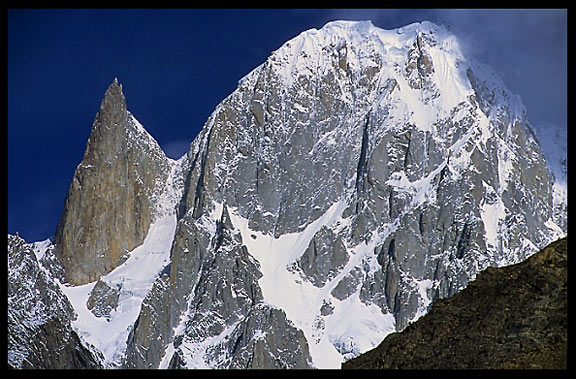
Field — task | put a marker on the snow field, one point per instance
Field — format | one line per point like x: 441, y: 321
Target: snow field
x: 351, y: 325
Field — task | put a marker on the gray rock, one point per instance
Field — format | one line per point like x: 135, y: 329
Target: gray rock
x: 267, y: 340
x: 110, y: 203
x: 103, y: 299
x: 40, y: 334
x: 213, y: 299
x: 325, y: 256
x: 151, y: 332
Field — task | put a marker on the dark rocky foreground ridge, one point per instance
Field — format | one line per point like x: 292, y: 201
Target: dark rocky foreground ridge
x: 513, y: 317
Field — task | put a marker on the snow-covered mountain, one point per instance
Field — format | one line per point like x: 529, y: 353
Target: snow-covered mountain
x: 351, y: 179
x: 553, y: 141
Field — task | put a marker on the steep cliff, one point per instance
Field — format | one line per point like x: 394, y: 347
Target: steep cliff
x: 40, y: 334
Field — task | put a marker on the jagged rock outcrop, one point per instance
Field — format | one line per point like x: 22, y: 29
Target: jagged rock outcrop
x: 512, y: 317
x: 210, y: 304
x: 103, y: 299
x: 40, y: 334
x: 110, y: 203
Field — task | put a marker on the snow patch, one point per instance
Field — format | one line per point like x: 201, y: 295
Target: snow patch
x: 134, y: 278
x: 492, y: 212
x: 39, y: 248
x: 201, y: 355
x: 425, y: 301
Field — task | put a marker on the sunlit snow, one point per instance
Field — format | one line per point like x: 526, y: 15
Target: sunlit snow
x: 134, y: 278
x: 352, y: 323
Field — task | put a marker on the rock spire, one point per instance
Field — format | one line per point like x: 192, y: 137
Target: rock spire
x: 108, y: 209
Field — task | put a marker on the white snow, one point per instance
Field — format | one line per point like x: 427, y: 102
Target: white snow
x: 40, y: 248
x: 420, y: 190
x: 423, y: 286
x: 492, y: 213
x: 555, y: 230
x: 135, y: 278
x: 392, y: 46
x: 165, y: 361
x: 506, y: 159
x: 352, y: 325
x: 201, y: 355
x: 355, y: 326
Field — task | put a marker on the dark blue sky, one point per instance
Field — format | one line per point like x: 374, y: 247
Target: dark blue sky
x: 177, y: 65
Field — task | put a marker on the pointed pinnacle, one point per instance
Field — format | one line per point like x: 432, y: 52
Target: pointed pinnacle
x: 113, y: 106
x: 115, y: 88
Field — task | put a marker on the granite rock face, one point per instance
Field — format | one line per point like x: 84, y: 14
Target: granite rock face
x: 210, y: 304
x: 103, y: 299
x: 110, y: 203
x: 513, y: 317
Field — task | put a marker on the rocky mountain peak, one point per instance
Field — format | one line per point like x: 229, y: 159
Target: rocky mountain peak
x: 401, y: 165
x: 114, y: 90
x: 110, y: 203
x: 113, y: 110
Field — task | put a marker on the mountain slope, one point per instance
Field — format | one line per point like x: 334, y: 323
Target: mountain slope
x: 553, y: 141
x: 39, y: 317
x: 512, y: 317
